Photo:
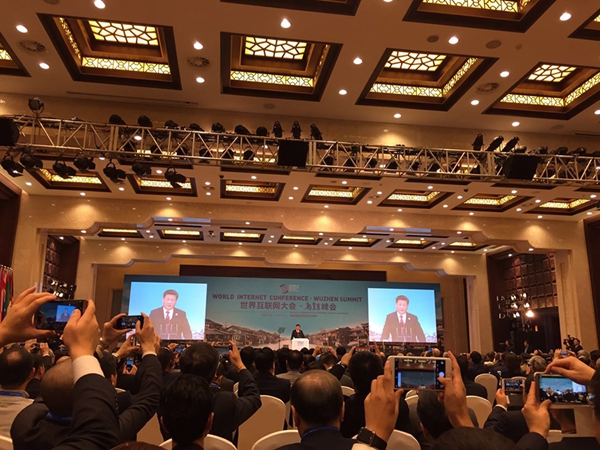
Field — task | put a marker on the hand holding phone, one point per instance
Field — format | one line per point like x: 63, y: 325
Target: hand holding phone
x: 420, y: 372
x: 561, y: 391
x: 128, y: 322
x: 55, y: 315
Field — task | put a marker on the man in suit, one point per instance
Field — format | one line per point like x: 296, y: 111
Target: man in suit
x: 293, y: 364
x: 268, y: 383
x: 472, y: 388
x: 476, y: 366
x: 527, y: 347
x: 16, y: 370
x: 170, y: 323
x: 297, y: 332
x: 401, y: 326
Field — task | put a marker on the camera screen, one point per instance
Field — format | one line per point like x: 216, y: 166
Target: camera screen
x: 129, y: 322
x: 55, y: 315
x: 562, y: 390
x: 513, y: 386
x: 419, y: 373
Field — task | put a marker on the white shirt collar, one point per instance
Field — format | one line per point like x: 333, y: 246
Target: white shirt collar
x: 171, y: 312
x: 400, y: 317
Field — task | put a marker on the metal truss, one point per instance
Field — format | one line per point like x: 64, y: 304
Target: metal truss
x: 55, y: 137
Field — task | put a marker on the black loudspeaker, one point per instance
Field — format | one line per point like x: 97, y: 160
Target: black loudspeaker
x: 520, y: 167
x: 292, y: 153
x: 9, y: 132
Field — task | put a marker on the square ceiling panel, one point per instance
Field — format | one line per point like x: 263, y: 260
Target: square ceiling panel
x: 551, y: 91
x: 276, y: 68
x: 341, y: 195
x: 88, y: 181
x: 412, y: 79
x: 157, y: 185
x: 564, y: 206
x: 108, y: 51
x: 590, y: 29
x: 415, y: 199
x: 491, y: 202
x: 251, y: 190
x: 9, y: 63
x: 503, y: 15
x: 345, y: 7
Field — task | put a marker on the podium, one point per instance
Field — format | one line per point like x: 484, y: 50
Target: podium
x: 299, y: 343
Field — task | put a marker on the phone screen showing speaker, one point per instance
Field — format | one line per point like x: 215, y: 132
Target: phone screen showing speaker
x: 419, y: 373
x: 55, y: 315
x: 560, y: 390
x: 513, y: 386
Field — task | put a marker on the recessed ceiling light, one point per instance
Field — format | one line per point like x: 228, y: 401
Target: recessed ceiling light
x: 239, y: 243
x: 200, y: 80
x: 357, y: 61
x: 453, y: 40
x: 510, y: 255
x: 198, y: 45
x: 399, y: 209
x: 158, y: 171
x: 471, y: 213
x: 540, y: 217
x: 344, y: 182
x: 44, y: 66
x: 597, y: 112
x: 22, y: 29
x: 61, y: 238
x: 99, y: 4
x: 320, y: 234
x: 290, y: 198
x: 349, y: 248
x: 272, y: 237
x: 207, y: 183
x: 485, y: 250
x: 151, y: 236
x: 452, y: 251
x: 169, y: 198
x: 519, y: 209
x: 28, y: 183
x: 343, y: 92
x: 82, y: 194
x: 538, y: 201
x: 253, y: 177
x: 388, y: 1
x: 516, y: 124
x: 399, y: 249
x: 270, y: 242
x: 170, y: 219
x: 331, y: 239
x: 121, y: 189
x: 325, y: 206
x: 369, y: 202
x: 379, y: 192
x: 391, y: 229
x: 83, y: 231
x: 514, y: 191
x: 459, y: 197
x: 295, y: 188
x: 459, y: 232
x: 432, y: 248
x: 296, y: 245
x: 208, y: 193
x: 504, y: 73
x: 565, y: 16
x: 475, y: 102
x: 593, y: 196
x: 137, y: 137
x: 445, y: 206
x: 429, y: 187
x: 122, y: 239
x: 589, y: 213
x: 285, y: 23
x: 397, y: 115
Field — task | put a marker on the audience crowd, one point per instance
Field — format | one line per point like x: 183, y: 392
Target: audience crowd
x: 92, y: 388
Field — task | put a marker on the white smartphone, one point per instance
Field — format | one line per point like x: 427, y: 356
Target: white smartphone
x: 420, y: 372
x: 562, y: 392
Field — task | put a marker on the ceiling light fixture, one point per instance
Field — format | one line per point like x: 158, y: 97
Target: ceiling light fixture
x: 174, y: 177
x: 62, y: 170
x: 121, y: 188
x: 141, y: 169
x: 285, y: 23
x: 397, y: 115
x: 198, y: 45
x: 344, y: 182
x: 83, y: 163
x: 504, y: 73
x: 357, y: 61
x: 82, y: 194
x: 565, y: 16
x: 597, y: 112
x: 13, y: 168
x: 475, y: 102
x: 200, y: 80
x: 540, y: 217
x: 30, y: 161
x: 519, y: 209
x: 29, y: 183
x: 99, y: 4
x: 22, y: 29
x: 516, y: 124
x: 44, y: 66
x: 453, y: 40
x: 115, y: 175
x: 343, y: 92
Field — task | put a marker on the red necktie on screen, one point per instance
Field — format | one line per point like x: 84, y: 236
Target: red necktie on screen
x: 168, y: 315
x: 401, y: 320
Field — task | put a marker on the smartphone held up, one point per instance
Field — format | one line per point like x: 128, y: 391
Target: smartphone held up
x: 55, y: 315
x: 420, y: 373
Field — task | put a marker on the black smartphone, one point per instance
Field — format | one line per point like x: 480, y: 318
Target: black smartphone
x: 129, y: 362
x: 420, y: 372
x: 55, y: 315
x: 126, y: 322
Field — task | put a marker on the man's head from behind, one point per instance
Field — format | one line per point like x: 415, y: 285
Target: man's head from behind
x: 402, y: 304
x: 329, y: 360
x: 472, y: 439
x: 294, y: 360
x: 187, y: 409
x: 264, y: 360
x: 16, y: 368
x: 463, y: 363
x: 200, y: 359
x: 432, y: 414
x: 170, y: 298
x: 364, y: 367
x: 476, y: 357
x: 57, y: 388
x: 166, y: 359
x: 317, y: 400
x: 247, y: 356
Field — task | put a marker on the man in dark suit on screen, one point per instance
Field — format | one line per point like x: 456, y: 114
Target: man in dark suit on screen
x: 169, y: 322
x: 401, y: 326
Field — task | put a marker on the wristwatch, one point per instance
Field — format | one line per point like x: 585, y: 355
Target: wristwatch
x: 368, y: 437
x: 102, y: 343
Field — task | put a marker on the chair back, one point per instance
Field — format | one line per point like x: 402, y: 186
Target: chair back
x: 399, y: 440
x: 151, y: 432
x: 347, y: 391
x: 6, y: 443
x: 268, y: 419
x: 412, y: 393
x: 211, y: 442
x: 554, y: 436
x: 481, y: 407
x: 278, y: 439
x: 490, y: 382
x: 236, y: 387
x: 412, y: 400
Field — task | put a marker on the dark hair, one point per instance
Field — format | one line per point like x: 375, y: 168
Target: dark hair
x: 297, y: 324
x: 403, y: 298
x: 295, y: 360
x: 472, y: 439
x: 317, y: 398
x: 364, y: 367
x: 328, y: 359
x: 247, y: 355
x: 476, y: 357
x: 463, y: 363
x: 526, y: 340
x: 432, y: 414
x: 57, y: 388
x: 340, y: 351
x: 264, y: 359
x: 314, y: 365
x: 513, y: 363
x: 200, y: 359
x: 171, y: 292
x: 16, y: 365
x: 594, y: 356
x: 282, y: 356
x: 186, y: 406
x: 108, y: 364
x: 165, y: 357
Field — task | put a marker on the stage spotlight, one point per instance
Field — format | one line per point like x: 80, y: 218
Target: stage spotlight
x: 36, y: 105
x: 144, y: 121
x: 172, y: 125
x: 175, y: 178
x: 13, y: 168
x: 579, y: 151
x: 478, y: 142
x: 277, y: 130
x: 521, y: 149
x: 195, y: 127
x: 141, y: 169
x: 115, y: 175
x: 242, y: 130
x: 262, y: 132
x: 511, y: 144
x: 115, y: 119
x: 315, y: 133
x: 560, y: 151
x: 62, y: 170
x: 296, y: 130
x: 495, y: 144
x: 541, y: 151
x: 83, y: 163
x: 217, y: 128
x: 248, y: 154
x: 30, y: 161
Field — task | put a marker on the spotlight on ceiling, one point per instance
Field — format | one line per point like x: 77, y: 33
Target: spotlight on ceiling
x: 478, y: 142
x: 495, y: 144
x: 315, y: 133
x: 511, y: 144
x: 174, y: 177
x: 141, y: 169
x: 13, y: 168
x: 296, y: 130
x: 115, y: 119
x: 83, y: 163
x: 248, y: 154
x: 62, y: 170
x: 144, y: 121
x: 115, y: 175
x: 277, y: 130
x: 30, y: 161
x: 36, y: 105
